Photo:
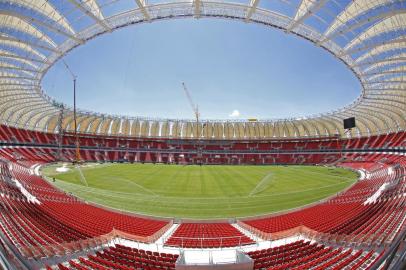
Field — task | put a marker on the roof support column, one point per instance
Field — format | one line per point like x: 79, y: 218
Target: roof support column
x: 141, y: 5
x: 251, y: 10
x: 98, y: 17
x: 305, y: 10
x: 197, y: 4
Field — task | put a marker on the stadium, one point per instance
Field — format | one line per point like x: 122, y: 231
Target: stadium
x: 83, y: 189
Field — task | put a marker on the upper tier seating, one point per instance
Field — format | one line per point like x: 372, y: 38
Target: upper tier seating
x: 43, y: 147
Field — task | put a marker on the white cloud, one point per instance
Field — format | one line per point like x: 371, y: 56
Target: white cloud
x: 235, y: 113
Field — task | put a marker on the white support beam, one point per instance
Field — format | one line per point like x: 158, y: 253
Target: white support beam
x: 12, y: 45
x: 305, y: 10
x: 399, y: 88
x: 362, y: 22
x: 197, y: 5
x: 398, y: 80
x: 9, y: 38
x: 394, y: 60
x: 14, y: 56
x: 20, y: 84
x: 17, y: 78
x: 94, y: 14
x: 19, y: 97
x: 45, y: 8
x: 40, y: 116
x: 353, y: 10
x: 5, y: 65
x: 20, y: 24
x: 390, y: 24
x: 382, y: 73
x: 142, y: 6
x: 367, y: 47
x: 36, y: 21
x: 251, y: 10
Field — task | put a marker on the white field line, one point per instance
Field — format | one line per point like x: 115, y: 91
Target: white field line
x: 203, y: 205
x: 181, y: 201
x: 82, y: 177
x: 260, y: 186
x: 110, y: 192
x: 141, y: 187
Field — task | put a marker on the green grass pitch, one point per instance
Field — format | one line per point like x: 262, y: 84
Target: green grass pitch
x: 201, y: 192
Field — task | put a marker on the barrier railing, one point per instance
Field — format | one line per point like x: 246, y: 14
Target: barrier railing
x: 342, y: 239
x: 11, y: 258
x: 208, y: 242
x: 84, y: 244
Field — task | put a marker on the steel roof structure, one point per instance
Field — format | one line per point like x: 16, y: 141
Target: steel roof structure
x: 367, y: 35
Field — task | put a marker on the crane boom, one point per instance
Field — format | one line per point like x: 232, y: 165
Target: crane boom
x: 68, y: 68
x: 195, y: 108
x: 77, y: 156
x: 189, y: 97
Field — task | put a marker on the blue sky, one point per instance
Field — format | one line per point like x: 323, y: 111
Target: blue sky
x: 259, y: 71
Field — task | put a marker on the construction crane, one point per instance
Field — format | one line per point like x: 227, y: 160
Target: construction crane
x: 77, y: 156
x: 195, y: 109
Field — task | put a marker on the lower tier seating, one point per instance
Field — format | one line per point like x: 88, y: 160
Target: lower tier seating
x: 207, y: 235
x: 371, y: 213
x: 53, y: 224
x: 363, y: 213
x: 295, y: 256
x: 305, y: 255
x: 122, y: 258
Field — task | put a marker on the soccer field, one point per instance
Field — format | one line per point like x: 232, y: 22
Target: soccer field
x: 201, y: 191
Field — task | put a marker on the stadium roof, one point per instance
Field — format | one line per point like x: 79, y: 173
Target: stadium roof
x: 367, y: 35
